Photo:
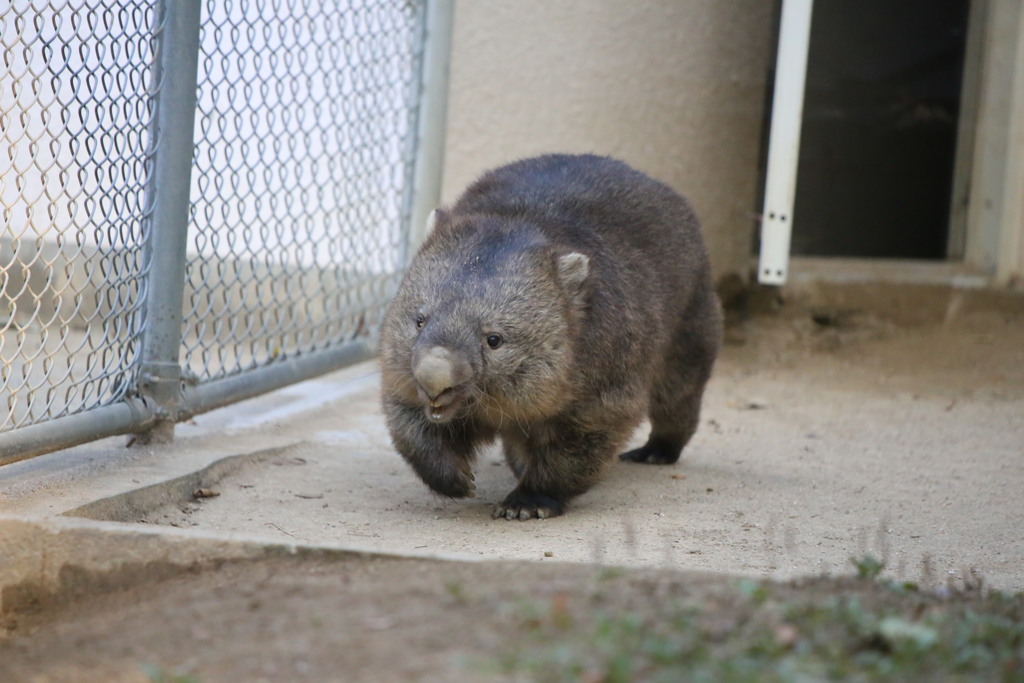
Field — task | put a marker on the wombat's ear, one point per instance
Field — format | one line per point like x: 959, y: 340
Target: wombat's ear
x: 573, y: 269
x: 434, y: 218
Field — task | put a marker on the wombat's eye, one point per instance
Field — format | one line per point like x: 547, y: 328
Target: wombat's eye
x: 494, y: 340
x: 421, y: 320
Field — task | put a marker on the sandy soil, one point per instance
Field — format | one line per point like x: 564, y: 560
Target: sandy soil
x: 818, y: 443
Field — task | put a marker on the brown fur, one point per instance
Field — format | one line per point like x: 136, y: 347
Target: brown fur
x: 592, y: 283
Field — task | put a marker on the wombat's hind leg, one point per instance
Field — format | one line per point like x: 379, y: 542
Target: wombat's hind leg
x: 671, y: 429
x: 515, y: 456
x: 657, y: 451
x: 677, y: 394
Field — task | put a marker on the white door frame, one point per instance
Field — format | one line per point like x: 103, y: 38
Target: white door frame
x: 784, y: 141
x: 995, y: 214
x: 987, y: 219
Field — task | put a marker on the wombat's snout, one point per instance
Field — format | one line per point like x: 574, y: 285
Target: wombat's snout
x: 440, y: 373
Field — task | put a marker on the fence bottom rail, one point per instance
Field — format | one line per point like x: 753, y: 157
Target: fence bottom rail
x: 137, y: 415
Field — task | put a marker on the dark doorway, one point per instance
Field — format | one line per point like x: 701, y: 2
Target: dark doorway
x: 879, y: 131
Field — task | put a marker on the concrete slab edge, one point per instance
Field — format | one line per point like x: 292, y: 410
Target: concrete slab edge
x: 47, y: 561
x: 131, y: 505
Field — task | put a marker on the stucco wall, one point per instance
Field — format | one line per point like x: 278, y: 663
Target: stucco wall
x: 675, y: 87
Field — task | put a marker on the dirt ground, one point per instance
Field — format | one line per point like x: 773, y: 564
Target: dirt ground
x: 321, y: 616
x: 823, y: 438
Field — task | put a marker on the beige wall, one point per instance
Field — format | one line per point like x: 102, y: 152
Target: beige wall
x: 675, y: 87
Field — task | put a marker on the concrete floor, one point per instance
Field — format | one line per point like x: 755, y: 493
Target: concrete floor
x: 818, y: 443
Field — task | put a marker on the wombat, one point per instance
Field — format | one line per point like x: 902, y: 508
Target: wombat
x: 558, y: 302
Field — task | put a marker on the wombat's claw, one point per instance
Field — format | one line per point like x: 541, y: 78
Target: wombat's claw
x: 528, y: 506
x: 522, y: 514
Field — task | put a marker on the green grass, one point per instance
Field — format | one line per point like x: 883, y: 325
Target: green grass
x: 158, y: 675
x: 863, y: 629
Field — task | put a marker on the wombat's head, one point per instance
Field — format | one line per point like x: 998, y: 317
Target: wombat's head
x: 484, y: 323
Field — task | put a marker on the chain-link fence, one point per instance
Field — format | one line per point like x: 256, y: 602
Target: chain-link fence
x: 201, y: 200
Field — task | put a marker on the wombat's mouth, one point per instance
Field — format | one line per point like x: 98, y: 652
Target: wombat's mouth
x: 445, y: 406
x: 437, y: 412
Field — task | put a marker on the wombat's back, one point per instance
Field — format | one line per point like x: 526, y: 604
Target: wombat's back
x: 639, y: 229
x: 647, y: 257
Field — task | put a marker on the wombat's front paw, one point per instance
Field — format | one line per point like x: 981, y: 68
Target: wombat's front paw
x: 525, y: 505
x: 458, y: 487
x: 447, y: 480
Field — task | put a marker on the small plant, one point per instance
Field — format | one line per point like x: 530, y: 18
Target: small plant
x: 868, y: 567
x: 756, y: 591
x: 159, y: 675
x: 456, y: 592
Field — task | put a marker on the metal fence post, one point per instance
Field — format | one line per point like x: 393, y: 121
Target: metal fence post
x: 433, y: 113
x: 168, y: 196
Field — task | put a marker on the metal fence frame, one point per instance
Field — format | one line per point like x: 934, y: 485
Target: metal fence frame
x: 162, y: 398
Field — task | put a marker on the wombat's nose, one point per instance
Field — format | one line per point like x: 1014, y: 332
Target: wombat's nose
x: 438, y: 369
